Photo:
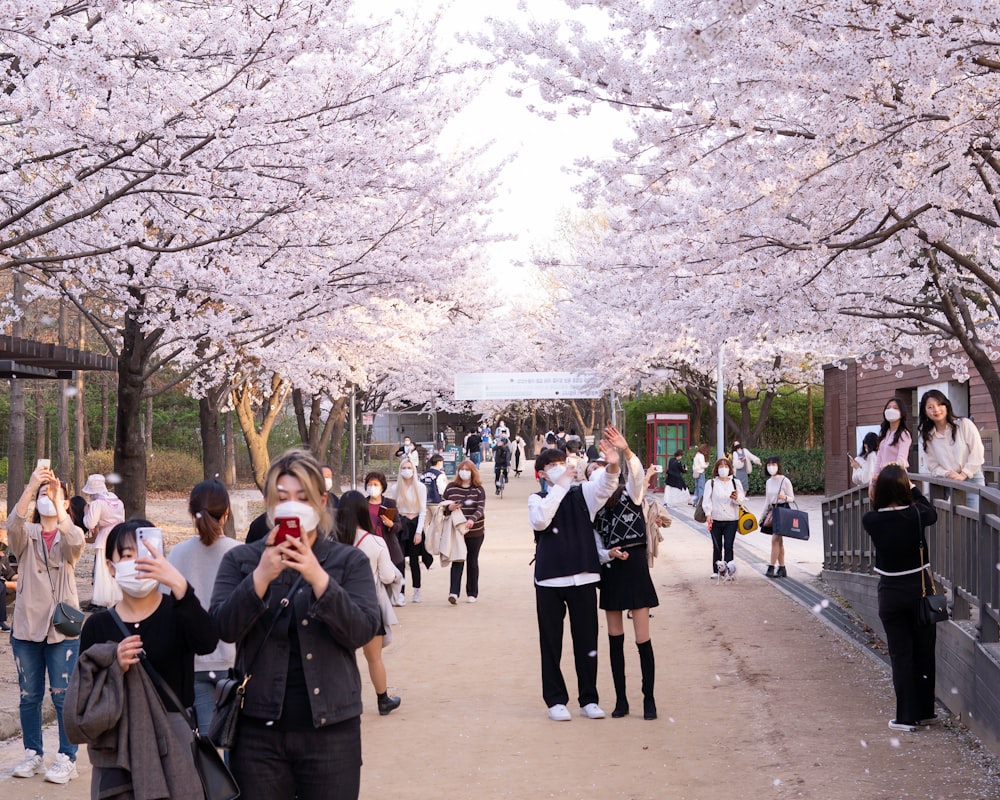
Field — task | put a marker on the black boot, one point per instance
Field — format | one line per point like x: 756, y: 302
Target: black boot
x: 387, y: 704
x: 617, y: 649
x: 648, y: 665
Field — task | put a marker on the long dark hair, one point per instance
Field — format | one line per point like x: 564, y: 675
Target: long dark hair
x: 885, y: 423
x: 869, y: 444
x: 892, y: 488
x: 352, y: 513
x: 925, y: 425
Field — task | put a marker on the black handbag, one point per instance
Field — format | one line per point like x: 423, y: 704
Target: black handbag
x: 67, y: 618
x: 933, y: 607
x: 230, y: 692
x: 217, y: 781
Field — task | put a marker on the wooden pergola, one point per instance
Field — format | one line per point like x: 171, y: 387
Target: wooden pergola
x: 27, y: 359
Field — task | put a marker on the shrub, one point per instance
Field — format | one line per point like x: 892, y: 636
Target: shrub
x: 166, y: 470
x: 804, y: 469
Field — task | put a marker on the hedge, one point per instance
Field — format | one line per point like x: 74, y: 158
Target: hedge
x: 804, y: 469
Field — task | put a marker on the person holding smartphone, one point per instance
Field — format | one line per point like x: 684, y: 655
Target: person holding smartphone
x: 168, y: 631
x: 466, y: 494
x: 47, y: 546
x: 299, y: 610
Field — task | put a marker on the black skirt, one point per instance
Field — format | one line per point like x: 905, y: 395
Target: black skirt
x: 626, y: 584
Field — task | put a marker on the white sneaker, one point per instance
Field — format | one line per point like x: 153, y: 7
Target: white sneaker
x: 30, y: 766
x: 559, y: 713
x: 901, y: 726
x: 592, y: 711
x: 418, y: 596
x: 401, y: 600
x: 453, y: 598
x: 63, y: 770
x: 471, y: 599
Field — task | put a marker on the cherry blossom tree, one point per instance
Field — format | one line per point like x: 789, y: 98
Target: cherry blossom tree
x: 201, y: 177
x: 831, y: 171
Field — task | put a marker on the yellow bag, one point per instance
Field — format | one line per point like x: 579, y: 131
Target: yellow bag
x: 747, y: 522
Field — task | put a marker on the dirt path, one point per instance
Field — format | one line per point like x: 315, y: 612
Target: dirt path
x: 757, y: 697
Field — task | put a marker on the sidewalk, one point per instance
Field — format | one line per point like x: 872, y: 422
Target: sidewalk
x: 757, y: 697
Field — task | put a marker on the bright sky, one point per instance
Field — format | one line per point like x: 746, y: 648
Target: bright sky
x: 535, y: 190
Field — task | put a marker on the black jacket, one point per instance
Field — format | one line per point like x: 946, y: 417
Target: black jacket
x: 330, y: 628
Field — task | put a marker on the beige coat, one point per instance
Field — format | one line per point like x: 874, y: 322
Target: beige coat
x: 36, y: 597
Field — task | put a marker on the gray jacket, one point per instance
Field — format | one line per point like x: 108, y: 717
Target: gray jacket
x: 330, y: 628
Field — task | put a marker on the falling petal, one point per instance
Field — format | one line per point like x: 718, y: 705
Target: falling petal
x: 71, y: 391
x: 555, y: 530
x: 113, y: 478
x: 776, y: 782
x: 954, y: 690
x: 818, y: 608
x: 670, y: 719
x: 864, y: 744
x: 592, y: 654
x: 718, y: 678
x: 894, y: 742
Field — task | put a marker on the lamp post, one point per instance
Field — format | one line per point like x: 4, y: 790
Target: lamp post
x: 720, y: 406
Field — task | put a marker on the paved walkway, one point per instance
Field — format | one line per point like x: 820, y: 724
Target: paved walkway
x: 757, y: 697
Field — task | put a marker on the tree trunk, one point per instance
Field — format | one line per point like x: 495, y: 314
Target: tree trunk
x: 230, y: 472
x: 105, y: 412
x: 212, y: 455
x: 130, y: 451
x: 300, y: 415
x: 256, y: 438
x: 80, y: 432
x: 62, y: 404
x: 149, y: 426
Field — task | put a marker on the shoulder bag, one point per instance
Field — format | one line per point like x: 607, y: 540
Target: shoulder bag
x: 791, y: 522
x: 230, y: 692
x: 67, y: 618
x: 699, y: 509
x: 216, y: 779
x: 933, y: 607
x: 747, y: 522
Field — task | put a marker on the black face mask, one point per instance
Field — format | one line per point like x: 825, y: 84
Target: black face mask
x: 736, y: 445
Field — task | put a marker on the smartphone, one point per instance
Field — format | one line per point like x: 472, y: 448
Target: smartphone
x: 43, y: 463
x: 658, y: 467
x: 147, y: 537
x: 287, y: 526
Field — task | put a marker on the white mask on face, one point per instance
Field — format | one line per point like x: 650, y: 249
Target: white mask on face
x: 891, y: 414
x: 596, y: 474
x: 329, y: 484
x: 406, y: 473
x: 307, y: 516
x: 772, y: 469
x: 554, y: 473
x: 45, y: 506
x: 464, y: 474
x: 374, y: 491
x: 723, y: 472
x: 133, y: 586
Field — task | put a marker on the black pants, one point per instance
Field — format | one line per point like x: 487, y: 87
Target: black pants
x: 911, y: 647
x: 474, y: 545
x: 551, y: 604
x: 414, y: 552
x: 723, y: 536
x: 321, y: 764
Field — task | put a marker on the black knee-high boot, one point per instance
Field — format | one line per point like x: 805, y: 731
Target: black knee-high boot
x: 648, y: 665
x: 617, y: 648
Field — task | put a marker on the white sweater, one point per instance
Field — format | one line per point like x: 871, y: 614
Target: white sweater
x: 717, y: 502
x: 777, y: 484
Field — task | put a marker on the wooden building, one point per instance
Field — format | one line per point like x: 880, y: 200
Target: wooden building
x: 855, y: 398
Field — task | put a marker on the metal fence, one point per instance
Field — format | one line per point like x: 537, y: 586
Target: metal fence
x: 964, y: 544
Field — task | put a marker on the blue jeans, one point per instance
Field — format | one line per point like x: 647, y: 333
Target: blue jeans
x: 32, y: 659
x: 699, y: 488
x: 204, y: 698
x: 476, y: 458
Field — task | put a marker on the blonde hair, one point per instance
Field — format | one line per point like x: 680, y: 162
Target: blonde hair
x: 406, y: 493
x: 303, y: 466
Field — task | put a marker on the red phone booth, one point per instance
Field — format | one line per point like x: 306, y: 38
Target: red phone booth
x: 666, y: 433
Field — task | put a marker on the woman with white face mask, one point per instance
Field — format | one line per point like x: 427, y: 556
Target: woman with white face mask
x: 386, y: 522
x: 721, y: 501
x: 894, y: 441
x: 298, y: 604
x: 166, y: 630
x: 777, y: 492
x: 466, y: 494
x: 411, y: 501
x: 48, y: 546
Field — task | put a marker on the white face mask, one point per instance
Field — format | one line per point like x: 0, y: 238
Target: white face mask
x: 555, y: 473
x: 307, y: 516
x: 374, y: 491
x: 772, y: 469
x: 406, y: 473
x: 596, y: 474
x: 464, y: 474
x: 891, y: 414
x: 723, y: 472
x: 133, y: 586
x: 329, y: 484
x: 45, y: 506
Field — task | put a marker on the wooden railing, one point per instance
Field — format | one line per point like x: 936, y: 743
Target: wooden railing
x: 964, y: 543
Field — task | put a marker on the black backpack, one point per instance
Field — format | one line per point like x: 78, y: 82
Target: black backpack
x: 429, y: 479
